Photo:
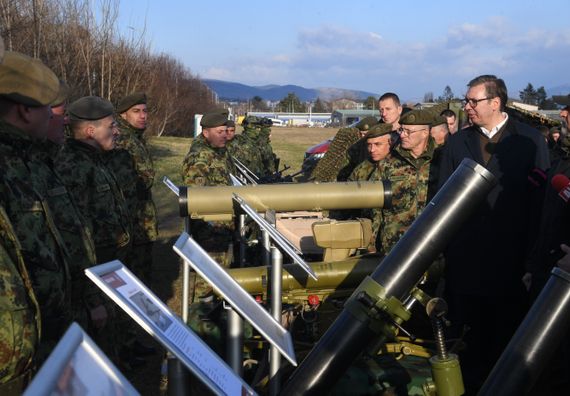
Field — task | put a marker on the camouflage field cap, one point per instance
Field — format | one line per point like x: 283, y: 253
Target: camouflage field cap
x: 438, y: 119
x: 27, y: 80
x: 378, y: 130
x: 214, y: 119
x: 90, y: 108
x: 366, y: 123
x: 250, y: 120
x: 230, y: 124
x: 131, y: 100
x: 417, y: 117
x: 62, y: 95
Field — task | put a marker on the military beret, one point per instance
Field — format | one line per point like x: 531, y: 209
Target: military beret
x: 214, y: 119
x: 417, y: 117
x: 27, y: 80
x: 230, y: 124
x: 366, y: 123
x: 90, y: 108
x: 131, y: 100
x: 378, y: 130
x: 62, y: 95
x: 250, y: 120
x: 438, y: 119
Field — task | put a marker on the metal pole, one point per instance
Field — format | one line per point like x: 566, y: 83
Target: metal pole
x: 274, y: 354
x: 234, y: 350
x: 179, y: 378
x: 186, y: 279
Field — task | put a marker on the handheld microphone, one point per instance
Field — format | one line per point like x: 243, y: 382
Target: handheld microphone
x: 561, y: 184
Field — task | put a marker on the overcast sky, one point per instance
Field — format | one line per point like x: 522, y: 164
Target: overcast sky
x: 375, y: 46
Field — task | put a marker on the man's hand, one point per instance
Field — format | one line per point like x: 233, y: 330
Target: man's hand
x: 564, y: 262
x: 98, y: 316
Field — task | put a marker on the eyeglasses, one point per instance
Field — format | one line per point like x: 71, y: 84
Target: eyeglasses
x: 472, y: 102
x: 405, y: 131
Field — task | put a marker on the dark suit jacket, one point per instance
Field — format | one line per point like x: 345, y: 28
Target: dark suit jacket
x: 486, y: 257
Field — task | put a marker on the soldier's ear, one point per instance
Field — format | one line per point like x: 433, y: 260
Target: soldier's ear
x: 89, y: 131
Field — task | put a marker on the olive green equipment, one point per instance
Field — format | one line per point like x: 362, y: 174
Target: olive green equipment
x: 215, y: 203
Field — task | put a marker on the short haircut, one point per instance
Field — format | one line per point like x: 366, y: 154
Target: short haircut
x: 494, y: 87
x: 448, y: 113
x: 390, y: 95
x: 76, y: 125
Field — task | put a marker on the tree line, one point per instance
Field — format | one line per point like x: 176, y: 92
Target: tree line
x: 89, y: 55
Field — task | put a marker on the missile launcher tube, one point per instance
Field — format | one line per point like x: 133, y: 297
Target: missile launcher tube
x: 397, y: 274
x: 534, y: 342
x: 200, y: 202
x: 346, y: 274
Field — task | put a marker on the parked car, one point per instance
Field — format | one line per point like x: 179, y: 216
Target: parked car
x: 312, y: 157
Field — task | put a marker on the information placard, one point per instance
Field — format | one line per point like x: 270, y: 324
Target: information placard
x: 78, y: 367
x: 233, y: 293
x: 127, y: 291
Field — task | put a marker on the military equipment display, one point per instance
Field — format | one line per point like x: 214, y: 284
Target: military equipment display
x: 382, y: 301
x: 376, y: 307
x: 529, y: 351
x: 215, y: 203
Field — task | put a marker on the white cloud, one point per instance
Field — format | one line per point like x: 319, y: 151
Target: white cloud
x: 338, y: 56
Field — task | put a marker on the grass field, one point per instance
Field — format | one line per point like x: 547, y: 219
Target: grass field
x: 168, y: 152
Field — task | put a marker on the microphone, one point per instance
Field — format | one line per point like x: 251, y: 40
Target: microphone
x: 561, y: 184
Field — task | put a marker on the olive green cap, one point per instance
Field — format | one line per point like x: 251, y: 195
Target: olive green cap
x: 251, y: 120
x: 417, y: 117
x: 438, y: 119
x: 378, y: 130
x: 27, y: 80
x: 131, y: 100
x: 214, y: 119
x: 366, y: 123
x: 90, y: 108
x: 62, y: 95
x: 230, y: 124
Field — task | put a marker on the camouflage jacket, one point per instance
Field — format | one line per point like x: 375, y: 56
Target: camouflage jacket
x: 25, y: 188
x: 245, y: 148
x: 19, y: 309
x: 268, y: 158
x: 95, y: 190
x: 134, y: 168
x: 368, y: 171
x: 246, y: 151
x: 336, y: 157
x: 205, y: 165
x: 72, y: 227
x: 409, y: 177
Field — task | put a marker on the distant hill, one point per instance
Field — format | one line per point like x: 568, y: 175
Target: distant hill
x: 240, y: 92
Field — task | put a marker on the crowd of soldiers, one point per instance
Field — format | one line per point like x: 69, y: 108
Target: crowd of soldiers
x: 67, y: 204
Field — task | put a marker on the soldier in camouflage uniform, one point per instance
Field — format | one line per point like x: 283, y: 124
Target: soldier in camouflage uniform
x: 379, y: 142
x: 29, y: 189
x: 209, y: 164
x: 82, y: 168
x: 268, y: 157
x: 408, y: 168
x: 133, y: 168
x: 81, y: 164
x: 245, y: 147
x: 19, y: 314
x: 344, y: 152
